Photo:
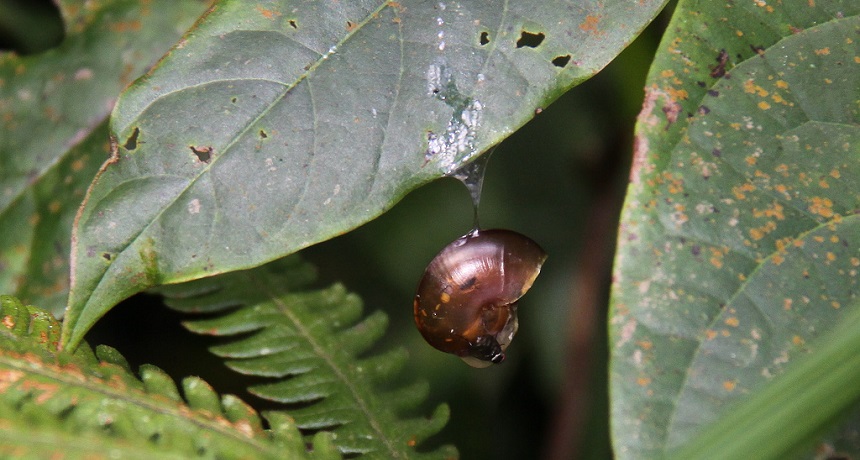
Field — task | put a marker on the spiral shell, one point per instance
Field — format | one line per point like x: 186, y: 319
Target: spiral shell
x: 466, y: 300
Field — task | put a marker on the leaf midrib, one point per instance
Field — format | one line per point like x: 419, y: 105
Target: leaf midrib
x: 130, y: 395
x: 272, y: 292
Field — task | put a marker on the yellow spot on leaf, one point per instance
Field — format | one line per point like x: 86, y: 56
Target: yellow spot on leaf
x: 797, y: 340
x: 831, y: 256
x: 835, y: 304
x: 823, y: 51
x: 711, y: 334
x: 763, y: 105
x: 729, y: 385
x: 732, y: 321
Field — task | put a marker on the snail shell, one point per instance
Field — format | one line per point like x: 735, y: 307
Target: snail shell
x: 466, y: 300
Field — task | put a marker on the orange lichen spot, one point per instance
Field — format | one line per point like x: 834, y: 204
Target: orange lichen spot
x: 735, y: 126
x: 729, y: 385
x: 716, y: 258
x: 725, y: 333
x: 645, y: 344
x: 855, y: 261
x: 590, y: 23
x: 835, y: 173
x: 774, y: 211
x: 750, y: 160
x: 710, y: 334
x: 125, y: 26
x: 667, y: 73
x: 677, y: 94
x: 857, y: 59
x: 798, y: 243
x: 739, y: 33
x: 756, y: 233
x: 835, y: 304
x: 781, y: 84
x: 823, y: 51
x: 643, y: 381
x: 268, y: 14
x: 54, y: 206
x: 777, y: 98
x: 786, y: 304
x: 834, y: 239
x: 821, y: 206
x: 445, y: 298
x: 732, y: 321
x: 763, y: 105
x: 828, y: 81
x: 778, y: 259
x: 8, y: 321
x: 818, y: 238
x: 797, y: 340
x: 739, y: 192
x: 831, y: 256
x: 412, y: 442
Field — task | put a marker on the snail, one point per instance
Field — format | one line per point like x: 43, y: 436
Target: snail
x: 466, y: 300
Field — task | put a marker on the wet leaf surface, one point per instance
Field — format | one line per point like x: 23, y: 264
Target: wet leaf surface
x: 53, y: 131
x: 271, y: 128
x: 740, y: 239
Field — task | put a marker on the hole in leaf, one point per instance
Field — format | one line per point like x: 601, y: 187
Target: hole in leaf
x: 33, y: 26
x: 529, y: 39
x: 485, y: 38
x: 263, y: 134
x: 204, y: 154
x: 131, y: 142
x: 294, y: 24
x: 561, y: 61
x: 106, y: 256
x: 234, y: 99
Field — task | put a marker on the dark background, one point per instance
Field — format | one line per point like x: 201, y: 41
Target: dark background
x: 560, y: 180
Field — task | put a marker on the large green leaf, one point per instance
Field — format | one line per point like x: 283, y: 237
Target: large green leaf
x: 740, y: 238
x: 278, y: 124
x: 312, y: 346
x: 53, y: 130
x: 55, y: 404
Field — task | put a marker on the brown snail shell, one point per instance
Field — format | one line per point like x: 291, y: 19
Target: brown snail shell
x: 466, y: 300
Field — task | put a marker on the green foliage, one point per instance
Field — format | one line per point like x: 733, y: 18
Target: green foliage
x: 314, y: 346
x: 90, y: 405
x: 740, y: 239
x: 53, y: 130
x: 274, y: 127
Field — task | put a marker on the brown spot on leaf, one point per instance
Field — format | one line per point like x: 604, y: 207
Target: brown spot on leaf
x: 590, y: 24
x: 719, y: 69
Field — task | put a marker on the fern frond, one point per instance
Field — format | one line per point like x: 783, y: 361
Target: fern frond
x: 313, y: 344
x: 90, y: 405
